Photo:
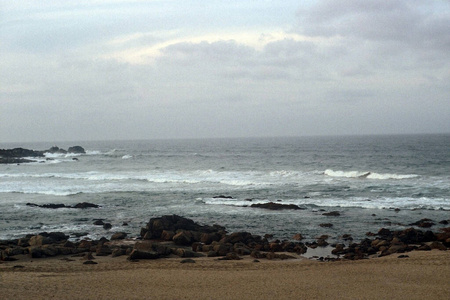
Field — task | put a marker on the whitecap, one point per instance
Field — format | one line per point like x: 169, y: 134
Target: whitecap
x: 367, y: 174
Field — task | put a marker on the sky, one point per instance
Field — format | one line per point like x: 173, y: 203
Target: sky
x: 118, y: 69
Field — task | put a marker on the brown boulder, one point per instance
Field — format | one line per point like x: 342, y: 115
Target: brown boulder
x: 139, y: 254
x: 183, y: 238
x: 118, y: 236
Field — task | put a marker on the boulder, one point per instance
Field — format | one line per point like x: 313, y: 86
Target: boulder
x: 39, y: 240
x: 84, y: 205
x: 183, y: 238
x: 297, y: 237
x: 332, y: 214
x: 139, y: 254
x: 156, y: 226
x: 76, y: 150
x: 119, y: 236
x: 275, y: 206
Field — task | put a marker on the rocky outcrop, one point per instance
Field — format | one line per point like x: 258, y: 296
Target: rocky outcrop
x: 276, y: 206
x: 81, y: 205
x: 76, y: 150
x: 20, y: 155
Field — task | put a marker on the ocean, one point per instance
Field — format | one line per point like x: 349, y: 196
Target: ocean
x: 372, y: 181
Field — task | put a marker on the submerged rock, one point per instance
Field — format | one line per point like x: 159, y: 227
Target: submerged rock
x: 276, y: 206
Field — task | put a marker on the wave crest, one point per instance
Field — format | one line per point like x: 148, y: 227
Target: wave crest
x: 367, y: 174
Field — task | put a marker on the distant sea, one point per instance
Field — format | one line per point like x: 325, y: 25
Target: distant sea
x: 372, y: 181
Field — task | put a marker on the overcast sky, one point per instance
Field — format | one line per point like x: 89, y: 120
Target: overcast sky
x: 117, y: 69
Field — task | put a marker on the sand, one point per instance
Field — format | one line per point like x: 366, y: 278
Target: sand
x: 423, y: 275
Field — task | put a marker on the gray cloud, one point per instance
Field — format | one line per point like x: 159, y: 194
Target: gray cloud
x: 353, y: 67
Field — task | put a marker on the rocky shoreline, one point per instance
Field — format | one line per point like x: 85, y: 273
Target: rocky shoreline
x: 21, y: 155
x: 173, y: 235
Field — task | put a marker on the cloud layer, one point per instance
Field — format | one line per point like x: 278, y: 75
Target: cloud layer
x: 161, y: 69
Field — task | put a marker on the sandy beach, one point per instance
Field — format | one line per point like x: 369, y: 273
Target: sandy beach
x: 422, y: 275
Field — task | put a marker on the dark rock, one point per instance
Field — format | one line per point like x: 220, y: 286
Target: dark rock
x: 184, y: 238
x: 103, y: 250
x: 20, y: 152
x: 275, y: 206
x: 187, y: 261
x: 84, y: 205
x: 156, y: 226
x: 99, y: 222
x: 118, y: 252
x: 90, y: 262
x: 53, y: 206
x: 76, y: 150
x: 331, y: 214
x: 230, y: 256
x: 39, y: 240
x: 107, y: 226
x: 424, y: 223
x: 118, y: 236
x: 297, y: 237
x: 444, y: 222
x: 222, y: 197
x: 139, y: 254
x: 55, y: 149
x: 326, y: 225
x: 167, y: 235
x: 403, y: 256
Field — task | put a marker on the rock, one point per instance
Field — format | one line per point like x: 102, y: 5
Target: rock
x: 88, y: 256
x: 90, y: 262
x: 53, y: 206
x: 230, y: 256
x: 76, y: 150
x: 118, y: 236
x: 39, y: 240
x: 20, y: 152
x: 275, y: 206
x: 331, y: 214
x: 167, y: 235
x: 222, y: 197
x: 322, y: 243
x: 436, y: 245
x: 99, y: 222
x: 326, y: 225
x: 156, y: 226
x: 181, y: 252
x: 138, y: 254
x: 103, y: 250
x: 107, y: 226
x: 297, y: 237
x: 403, y: 256
x: 84, y: 205
x: 118, y: 252
x: 424, y: 223
x: 56, y: 149
x: 183, y: 238
x: 187, y: 261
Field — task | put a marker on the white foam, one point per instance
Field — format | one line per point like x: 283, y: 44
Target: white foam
x: 367, y: 174
x: 127, y: 156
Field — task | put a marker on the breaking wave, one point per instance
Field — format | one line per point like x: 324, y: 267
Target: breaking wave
x: 367, y: 174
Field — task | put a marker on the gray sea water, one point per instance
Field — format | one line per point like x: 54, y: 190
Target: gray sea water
x: 365, y: 178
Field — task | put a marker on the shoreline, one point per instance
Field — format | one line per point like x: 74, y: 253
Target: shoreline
x: 422, y: 275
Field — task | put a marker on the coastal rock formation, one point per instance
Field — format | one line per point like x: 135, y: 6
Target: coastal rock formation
x: 76, y: 150
x: 276, y: 206
x: 175, y: 235
x: 81, y: 205
x: 21, y: 155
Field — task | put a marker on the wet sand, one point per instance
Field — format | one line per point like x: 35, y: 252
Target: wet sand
x: 423, y: 275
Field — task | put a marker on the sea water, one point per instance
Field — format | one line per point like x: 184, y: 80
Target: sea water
x: 372, y: 181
